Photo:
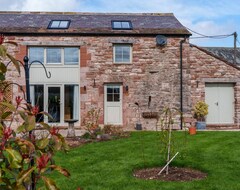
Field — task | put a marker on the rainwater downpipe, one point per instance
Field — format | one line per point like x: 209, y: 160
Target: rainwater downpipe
x: 181, y: 82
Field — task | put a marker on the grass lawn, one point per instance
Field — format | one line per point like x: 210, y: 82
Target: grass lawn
x: 109, y: 165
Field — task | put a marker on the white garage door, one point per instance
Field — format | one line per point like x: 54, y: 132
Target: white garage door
x: 220, y: 98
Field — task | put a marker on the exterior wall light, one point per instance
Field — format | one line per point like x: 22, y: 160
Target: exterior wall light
x: 126, y: 88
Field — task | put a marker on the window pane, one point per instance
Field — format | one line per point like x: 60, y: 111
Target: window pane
x: 54, y: 104
x: 54, y: 55
x: 55, y: 24
x: 125, y: 59
x: 118, y: 59
x: 36, y: 54
x: 110, y: 97
x: 126, y: 54
x: 116, y: 90
x: 109, y: 90
x: 118, y: 54
x: 116, y: 97
x: 126, y: 50
x: 125, y: 25
x: 117, y: 25
x: 38, y: 100
x: 63, y: 24
x: 71, y: 94
x: 71, y: 56
x: 68, y: 101
x: 118, y: 50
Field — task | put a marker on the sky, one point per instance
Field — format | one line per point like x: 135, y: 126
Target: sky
x: 207, y: 17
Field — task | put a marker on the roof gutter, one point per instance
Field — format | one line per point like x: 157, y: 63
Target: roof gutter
x: 88, y: 34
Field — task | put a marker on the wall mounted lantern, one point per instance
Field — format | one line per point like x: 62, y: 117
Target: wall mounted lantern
x: 126, y: 88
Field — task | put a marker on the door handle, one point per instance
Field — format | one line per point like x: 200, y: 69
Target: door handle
x: 216, y: 103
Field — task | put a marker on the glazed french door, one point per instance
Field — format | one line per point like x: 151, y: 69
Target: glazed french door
x: 60, y: 101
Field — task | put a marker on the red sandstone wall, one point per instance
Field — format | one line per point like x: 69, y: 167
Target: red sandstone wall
x: 206, y: 68
x: 154, y: 72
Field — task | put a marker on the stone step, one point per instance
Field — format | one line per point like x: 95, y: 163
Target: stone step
x: 222, y: 127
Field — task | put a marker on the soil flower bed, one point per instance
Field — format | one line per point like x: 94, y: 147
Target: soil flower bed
x: 175, y: 174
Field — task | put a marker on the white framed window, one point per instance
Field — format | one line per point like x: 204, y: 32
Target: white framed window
x: 54, y: 55
x: 122, y: 53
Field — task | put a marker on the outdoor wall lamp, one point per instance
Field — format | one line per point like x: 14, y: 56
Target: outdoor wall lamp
x: 126, y: 88
x: 85, y: 88
x: 197, y: 83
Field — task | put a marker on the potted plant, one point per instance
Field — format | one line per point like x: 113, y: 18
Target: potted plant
x: 200, y: 112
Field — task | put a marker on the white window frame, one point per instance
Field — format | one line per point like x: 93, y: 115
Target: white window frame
x: 130, y: 54
x: 62, y: 63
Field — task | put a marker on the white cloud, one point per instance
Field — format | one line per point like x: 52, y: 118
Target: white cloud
x: 51, y: 5
x: 210, y: 28
x: 6, y: 6
x: 39, y: 5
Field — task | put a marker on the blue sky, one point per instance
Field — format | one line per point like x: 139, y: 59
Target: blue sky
x: 208, y: 17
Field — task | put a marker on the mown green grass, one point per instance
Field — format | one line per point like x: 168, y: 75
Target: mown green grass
x: 109, y: 165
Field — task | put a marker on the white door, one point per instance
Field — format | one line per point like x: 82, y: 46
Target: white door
x: 220, y: 98
x: 113, y: 104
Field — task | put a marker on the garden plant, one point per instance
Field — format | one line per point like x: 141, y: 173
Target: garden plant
x: 200, y: 110
x: 26, y: 157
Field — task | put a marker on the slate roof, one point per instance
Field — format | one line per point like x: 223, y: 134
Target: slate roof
x: 226, y: 53
x: 90, y: 23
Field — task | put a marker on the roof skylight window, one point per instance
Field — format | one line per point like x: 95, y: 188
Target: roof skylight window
x: 59, y: 24
x: 121, y: 25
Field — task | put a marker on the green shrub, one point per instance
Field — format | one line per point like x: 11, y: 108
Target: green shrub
x: 200, y: 110
x: 25, y: 157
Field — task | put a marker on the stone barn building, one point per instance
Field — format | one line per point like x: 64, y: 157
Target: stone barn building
x: 128, y: 65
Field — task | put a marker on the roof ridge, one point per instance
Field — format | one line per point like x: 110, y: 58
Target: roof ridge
x: 213, y: 55
x: 219, y: 47
x: 85, y: 13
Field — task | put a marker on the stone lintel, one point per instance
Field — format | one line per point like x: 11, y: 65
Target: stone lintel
x: 220, y: 80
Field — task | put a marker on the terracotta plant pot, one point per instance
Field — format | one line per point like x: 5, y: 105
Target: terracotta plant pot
x: 192, y: 130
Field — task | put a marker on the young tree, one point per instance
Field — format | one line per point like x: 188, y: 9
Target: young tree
x: 171, y: 147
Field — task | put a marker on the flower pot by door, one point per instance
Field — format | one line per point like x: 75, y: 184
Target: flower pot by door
x: 192, y: 130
